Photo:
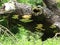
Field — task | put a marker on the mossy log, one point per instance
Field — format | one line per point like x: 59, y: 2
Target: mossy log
x: 51, y: 12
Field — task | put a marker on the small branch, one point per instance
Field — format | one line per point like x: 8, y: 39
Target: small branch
x: 57, y: 34
x: 7, y: 31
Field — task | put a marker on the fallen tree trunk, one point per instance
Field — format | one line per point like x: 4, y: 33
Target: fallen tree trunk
x: 51, y: 12
x: 24, y: 9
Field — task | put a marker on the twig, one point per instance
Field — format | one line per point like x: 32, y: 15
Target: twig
x: 7, y: 32
x: 57, y: 34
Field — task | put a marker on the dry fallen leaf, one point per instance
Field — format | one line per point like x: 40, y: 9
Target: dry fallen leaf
x: 26, y: 16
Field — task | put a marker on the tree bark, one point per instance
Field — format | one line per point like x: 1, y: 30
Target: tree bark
x: 52, y: 5
x: 26, y: 9
x: 50, y: 12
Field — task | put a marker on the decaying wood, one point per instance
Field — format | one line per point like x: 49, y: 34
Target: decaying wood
x: 51, y: 12
x: 55, y: 17
x: 54, y: 12
x: 52, y: 5
x: 24, y: 9
x: 20, y: 8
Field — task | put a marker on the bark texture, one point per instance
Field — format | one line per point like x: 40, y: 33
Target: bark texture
x: 51, y: 12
